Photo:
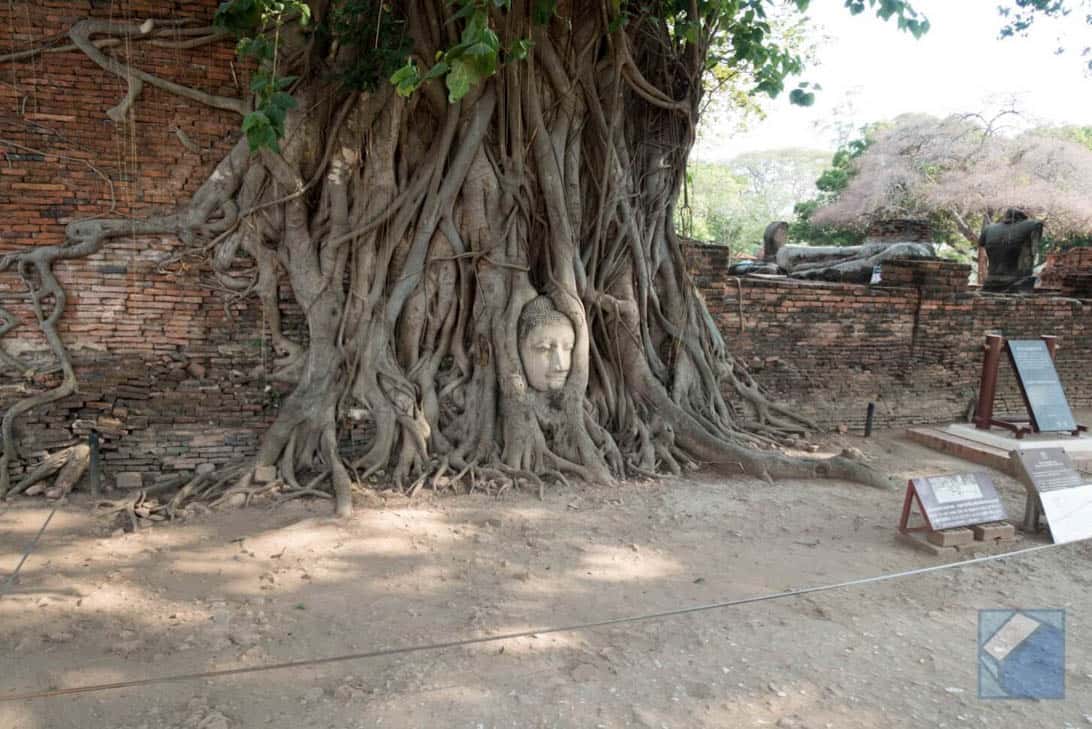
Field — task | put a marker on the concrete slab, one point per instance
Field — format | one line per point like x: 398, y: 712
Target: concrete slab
x: 991, y: 447
x: 1073, y: 445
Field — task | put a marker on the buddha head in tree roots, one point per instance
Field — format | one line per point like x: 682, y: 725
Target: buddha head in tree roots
x: 546, y: 340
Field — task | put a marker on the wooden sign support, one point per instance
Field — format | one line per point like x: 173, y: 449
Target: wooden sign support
x: 987, y: 390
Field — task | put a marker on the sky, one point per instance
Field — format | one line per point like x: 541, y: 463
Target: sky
x: 870, y: 71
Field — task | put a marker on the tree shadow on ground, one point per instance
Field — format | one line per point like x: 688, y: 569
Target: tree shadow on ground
x: 253, y: 587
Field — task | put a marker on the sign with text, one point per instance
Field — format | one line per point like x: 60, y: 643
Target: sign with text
x: 1046, y: 469
x: 1066, y: 497
x: 960, y: 499
x: 1040, y: 385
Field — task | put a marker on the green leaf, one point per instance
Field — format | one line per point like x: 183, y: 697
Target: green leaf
x: 259, y: 132
x: 305, y: 13
x: 259, y: 82
x: 521, y: 49
x: 437, y: 70
x: 542, y: 11
x: 238, y: 16
x: 406, y: 79
x: 282, y: 100
x: 459, y: 80
x: 483, y: 53
x: 800, y: 97
x: 256, y: 47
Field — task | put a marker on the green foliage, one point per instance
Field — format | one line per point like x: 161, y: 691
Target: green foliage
x: 368, y: 26
x: 377, y: 36
x: 735, y: 35
x: 1020, y: 16
x: 245, y: 18
x: 252, y: 20
x: 543, y: 10
x: 474, y: 58
x: 830, y: 183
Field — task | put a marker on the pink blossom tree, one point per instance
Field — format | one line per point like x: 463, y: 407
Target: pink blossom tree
x: 965, y: 172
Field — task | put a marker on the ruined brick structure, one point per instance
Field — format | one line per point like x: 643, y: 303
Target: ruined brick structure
x: 911, y: 345
x: 161, y: 356
x: 1069, y: 273
x: 166, y: 361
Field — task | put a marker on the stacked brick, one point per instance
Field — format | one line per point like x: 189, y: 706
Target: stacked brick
x: 1069, y: 272
x: 900, y: 230
x: 707, y: 263
x: 164, y: 363
x: 936, y: 276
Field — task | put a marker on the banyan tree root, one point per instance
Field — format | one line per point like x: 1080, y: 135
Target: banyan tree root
x: 416, y: 234
x: 69, y: 464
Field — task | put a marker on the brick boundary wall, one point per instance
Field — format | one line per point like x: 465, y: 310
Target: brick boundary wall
x: 828, y: 349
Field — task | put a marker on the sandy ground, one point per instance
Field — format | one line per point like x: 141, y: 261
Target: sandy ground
x: 256, y: 586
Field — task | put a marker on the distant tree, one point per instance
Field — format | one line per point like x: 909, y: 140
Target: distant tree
x: 1081, y: 135
x: 731, y: 204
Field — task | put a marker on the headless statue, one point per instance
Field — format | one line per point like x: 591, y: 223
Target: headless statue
x: 1010, y: 248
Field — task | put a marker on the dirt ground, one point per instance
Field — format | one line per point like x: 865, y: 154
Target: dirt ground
x: 255, y: 586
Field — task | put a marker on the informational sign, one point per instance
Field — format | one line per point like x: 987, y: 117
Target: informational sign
x: 1065, y: 496
x: 1040, y: 385
x: 1047, y: 469
x: 960, y: 499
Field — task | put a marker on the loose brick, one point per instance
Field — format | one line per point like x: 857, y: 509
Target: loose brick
x: 129, y: 480
x: 995, y: 532
x: 951, y: 537
x: 265, y: 474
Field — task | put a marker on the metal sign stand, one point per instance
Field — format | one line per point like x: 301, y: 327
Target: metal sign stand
x: 987, y: 391
x: 907, y: 508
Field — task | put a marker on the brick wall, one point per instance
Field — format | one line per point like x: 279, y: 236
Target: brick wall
x: 164, y: 361
x: 830, y: 349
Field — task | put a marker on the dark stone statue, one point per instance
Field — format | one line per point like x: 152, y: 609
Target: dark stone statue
x: 885, y: 240
x: 774, y: 239
x: 1010, y: 248
x: 848, y: 264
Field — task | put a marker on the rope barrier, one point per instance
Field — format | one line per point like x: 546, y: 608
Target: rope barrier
x: 10, y: 582
x: 403, y: 650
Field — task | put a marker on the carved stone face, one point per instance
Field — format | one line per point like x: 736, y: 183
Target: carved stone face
x: 547, y: 354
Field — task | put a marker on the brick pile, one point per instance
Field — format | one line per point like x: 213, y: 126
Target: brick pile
x: 1070, y: 272
x: 900, y: 229
x: 938, y: 276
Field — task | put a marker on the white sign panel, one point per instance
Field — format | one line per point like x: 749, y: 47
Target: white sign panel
x: 1069, y: 513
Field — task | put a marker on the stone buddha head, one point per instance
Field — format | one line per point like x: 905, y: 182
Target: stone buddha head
x: 546, y: 340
